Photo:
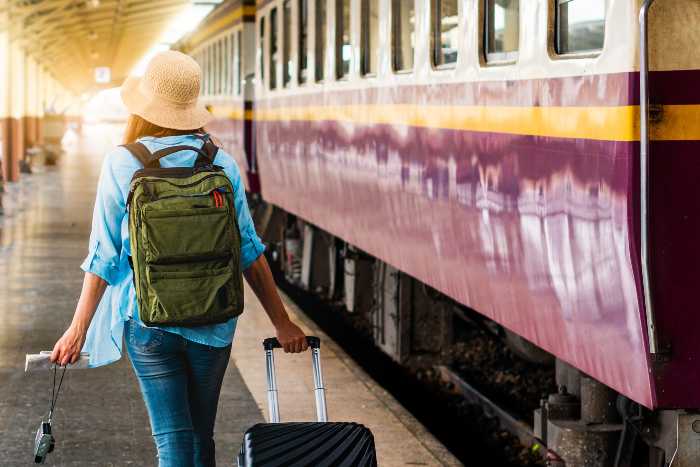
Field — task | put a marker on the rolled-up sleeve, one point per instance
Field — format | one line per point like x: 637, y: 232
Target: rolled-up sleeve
x: 105, y: 237
x: 251, y: 245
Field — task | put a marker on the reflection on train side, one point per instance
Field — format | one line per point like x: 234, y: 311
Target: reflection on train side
x: 523, y: 219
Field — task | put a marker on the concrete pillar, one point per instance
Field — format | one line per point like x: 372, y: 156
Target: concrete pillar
x: 17, y: 110
x: 31, y: 104
x: 4, y: 107
x: 5, y: 126
x: 41, y: 103
x: 49, y: 94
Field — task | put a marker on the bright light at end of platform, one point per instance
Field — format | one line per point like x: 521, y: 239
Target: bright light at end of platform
x: 186, y: 21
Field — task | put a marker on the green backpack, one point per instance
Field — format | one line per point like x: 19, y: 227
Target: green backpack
x: 185, y: 242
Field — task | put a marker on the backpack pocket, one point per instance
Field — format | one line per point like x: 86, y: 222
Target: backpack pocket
x: 180, y: 234
x: 190, y: 297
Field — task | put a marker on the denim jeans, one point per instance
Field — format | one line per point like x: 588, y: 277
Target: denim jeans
x: 180, y: 381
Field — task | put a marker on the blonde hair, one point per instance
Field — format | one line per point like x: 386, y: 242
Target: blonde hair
x: 137, y: 127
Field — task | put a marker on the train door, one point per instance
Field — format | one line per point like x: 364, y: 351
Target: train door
x: 670, y: 208
x: 246, y: 79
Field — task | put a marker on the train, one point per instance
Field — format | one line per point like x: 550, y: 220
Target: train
x: 533, y: 161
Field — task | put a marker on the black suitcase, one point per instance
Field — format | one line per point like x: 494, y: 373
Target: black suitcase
x: 305, y: 444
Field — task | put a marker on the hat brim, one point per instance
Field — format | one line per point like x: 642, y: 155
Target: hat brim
x: 160, y: 111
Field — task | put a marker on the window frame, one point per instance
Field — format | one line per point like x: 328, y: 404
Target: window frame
x: 497, y: 58
x: 392, y: 39
x: 554, y: 41
x: 435, y: 31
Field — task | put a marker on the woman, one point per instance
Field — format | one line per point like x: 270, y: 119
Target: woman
x: 180, y: 369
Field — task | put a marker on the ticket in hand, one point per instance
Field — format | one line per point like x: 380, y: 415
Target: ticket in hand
x: 42, y: 362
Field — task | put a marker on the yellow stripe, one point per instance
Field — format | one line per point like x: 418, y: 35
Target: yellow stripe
x: 222, y: 22
x: 677, y: 123
x: 600, y: 123
x: 231, y: 112
x: 621, y: 123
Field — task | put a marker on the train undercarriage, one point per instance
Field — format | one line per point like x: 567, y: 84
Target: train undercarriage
x: 578, y: 421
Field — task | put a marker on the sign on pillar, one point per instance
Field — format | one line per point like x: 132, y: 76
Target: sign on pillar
x: 103, y: 75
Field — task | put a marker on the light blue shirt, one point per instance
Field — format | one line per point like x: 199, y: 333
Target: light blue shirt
x: 109, y: 248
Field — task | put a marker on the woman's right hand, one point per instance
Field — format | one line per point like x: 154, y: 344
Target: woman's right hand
x: 68, y: 347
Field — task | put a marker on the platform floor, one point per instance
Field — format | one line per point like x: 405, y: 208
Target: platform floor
x: 101, y: 419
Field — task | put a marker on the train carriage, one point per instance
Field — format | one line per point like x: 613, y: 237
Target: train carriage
x: 223, y: 45
x: 533, y: 161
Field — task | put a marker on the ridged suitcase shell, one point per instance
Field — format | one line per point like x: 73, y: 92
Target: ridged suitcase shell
x: 308, y: 444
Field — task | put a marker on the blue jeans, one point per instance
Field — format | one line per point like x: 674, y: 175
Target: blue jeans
x: 180, y: 381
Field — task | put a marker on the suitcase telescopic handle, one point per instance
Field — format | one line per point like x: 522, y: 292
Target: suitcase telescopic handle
x: 270, y: 344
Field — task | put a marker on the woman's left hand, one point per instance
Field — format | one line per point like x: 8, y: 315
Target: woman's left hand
x: 68, y: 347
x: 291, y: 337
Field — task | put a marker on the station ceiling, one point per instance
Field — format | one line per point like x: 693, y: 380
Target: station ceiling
x: 73, y: 37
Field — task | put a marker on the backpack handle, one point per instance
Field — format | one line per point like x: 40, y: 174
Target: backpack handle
x: 205, y: 155
x: 156, y: 156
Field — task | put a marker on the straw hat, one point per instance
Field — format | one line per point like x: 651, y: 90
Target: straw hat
x: 167, y: 93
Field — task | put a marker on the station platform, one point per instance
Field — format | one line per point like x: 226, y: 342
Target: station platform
x: 101, y: 419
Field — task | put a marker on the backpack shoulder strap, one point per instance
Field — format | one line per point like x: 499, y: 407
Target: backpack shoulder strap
x: 141, y: 152
x: 208, y: 148
x: 211, y: 150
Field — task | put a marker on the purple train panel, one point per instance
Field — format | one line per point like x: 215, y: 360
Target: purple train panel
x: 236, y: 137
x: 539, y: 233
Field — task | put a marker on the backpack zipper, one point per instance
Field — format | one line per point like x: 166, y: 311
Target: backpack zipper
x: 187, y: 185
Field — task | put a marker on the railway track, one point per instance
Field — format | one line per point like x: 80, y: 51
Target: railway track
x: 465, y: 420
x: 509, y: 422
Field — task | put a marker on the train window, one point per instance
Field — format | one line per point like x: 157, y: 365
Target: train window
x: 501, y: 30
x: 303, y: 39
x: 217, y: 67
x: 226, y: 63
x: 343, y: 48
x: 203, y: 65
x: 261, y: 51
x: 445, y: 19
x: 239, y: 62
x: 287, y: 43
x: 231, y: 59
x: 210, y: 70
x: 222, y: 67
x: 273, y: 49
x: 370, y: 37
x: 580, y: 25
x: 232, y: 64
x: 403, y: 25
x: 320, y: 39
x: 207, y: 74
x: 223, y: 87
